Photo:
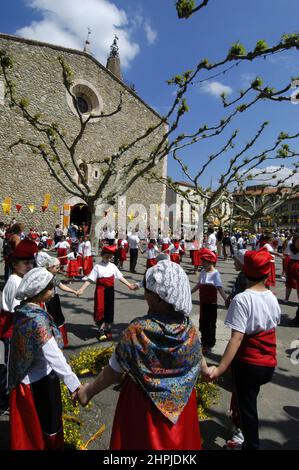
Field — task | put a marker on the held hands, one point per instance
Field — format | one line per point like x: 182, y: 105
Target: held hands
x: 133, y: 287
x: 84, y: 394
x: 210, y: 373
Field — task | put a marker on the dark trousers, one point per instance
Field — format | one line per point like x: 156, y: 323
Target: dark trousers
x: 207, y: 324
x: 133, y: 258
x: 247, y: 379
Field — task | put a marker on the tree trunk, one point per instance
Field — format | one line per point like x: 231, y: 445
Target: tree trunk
x: 92, y: 232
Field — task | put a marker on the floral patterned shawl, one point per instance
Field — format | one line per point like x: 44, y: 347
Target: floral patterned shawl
x: 33, y: 327
x: 163, y: 356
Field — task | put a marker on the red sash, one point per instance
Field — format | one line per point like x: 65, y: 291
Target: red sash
x: 259, y: 349
x: 175, y: 258
x: 151, y: 262
x: 99, y: 297
x: 63, y: 331
x: 6, y: 324
x: 165, y: 246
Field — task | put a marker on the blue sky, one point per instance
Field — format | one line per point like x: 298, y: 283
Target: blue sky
x: 155, y: 45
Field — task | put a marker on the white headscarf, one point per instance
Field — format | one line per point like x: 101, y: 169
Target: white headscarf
x: 170, y: 282
x: 33, y: 283
x: 239, y: 256
x: 43, y: 260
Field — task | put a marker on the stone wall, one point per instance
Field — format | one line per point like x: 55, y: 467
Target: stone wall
x: 38, y: 77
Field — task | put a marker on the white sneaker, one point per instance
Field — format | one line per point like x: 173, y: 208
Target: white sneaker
x: 235, y: 443
x: 85, y: 278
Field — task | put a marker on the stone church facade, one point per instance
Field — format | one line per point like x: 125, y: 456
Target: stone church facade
x: 37, y: 74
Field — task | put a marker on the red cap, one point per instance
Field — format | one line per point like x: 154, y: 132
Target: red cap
x: 208, y: 255
x: 109, y: 249
x: 25, y: 249
x: 257, y: 263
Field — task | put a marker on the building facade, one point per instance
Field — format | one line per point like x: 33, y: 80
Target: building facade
x: 25, y: 178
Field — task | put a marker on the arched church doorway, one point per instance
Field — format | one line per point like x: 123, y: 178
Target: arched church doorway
x: 80, y: 214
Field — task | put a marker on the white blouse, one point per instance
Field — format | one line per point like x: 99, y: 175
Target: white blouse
x: 49, y: 358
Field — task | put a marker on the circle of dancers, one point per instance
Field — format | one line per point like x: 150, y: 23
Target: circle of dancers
x: 159, y: 357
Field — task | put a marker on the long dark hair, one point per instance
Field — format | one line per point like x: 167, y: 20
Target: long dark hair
x: 293, y: 248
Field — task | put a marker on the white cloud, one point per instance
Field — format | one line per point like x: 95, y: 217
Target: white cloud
x: 150, y: 33
x: 65, y: 23
x: 275, y: 174
x: 216, y: 89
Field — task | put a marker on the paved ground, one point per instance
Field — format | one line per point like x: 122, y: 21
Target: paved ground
x: 278, y: 401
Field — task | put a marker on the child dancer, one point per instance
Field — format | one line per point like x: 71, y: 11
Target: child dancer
x: 87, y: 256
x: 62, y: 250
x: 53, y: 306
x: 208, y: 285
x: 151, y: 253
x: 104, y: 275
x: 253, y: 317
x: 122, y: 253
x: 175, y: 251
x: 36, y: 365
x: 21, y: 261
x: 73, y: 266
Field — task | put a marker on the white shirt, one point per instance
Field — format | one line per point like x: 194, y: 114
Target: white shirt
x: 133, y: 242
x: 64, y: 244
x: 166, y: 241
x: 49, y: 358
x: 111, y: 235
x: 114, y: 364
x: 80, y: 248
x: 71, y: 256
x: 175, y: 251
x: 271, y: 250
x: 212, y: 242
x: 104, y: 270
x: 9, y: 302
x: 233, y: 239
x: 87, y: 248
x: 151, y: 253
x: 240, y: 242
x: 251, y: 312
x: 212, y: 277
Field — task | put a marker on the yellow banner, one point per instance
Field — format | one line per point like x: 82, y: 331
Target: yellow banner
x: 6, y: 208
x: 47, y: 199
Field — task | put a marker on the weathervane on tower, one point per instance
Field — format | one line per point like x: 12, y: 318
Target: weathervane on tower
x: 114, y: 47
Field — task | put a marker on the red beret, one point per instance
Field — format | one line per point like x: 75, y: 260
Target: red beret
x: 257, y: 263
x: 25, y: 250
x: 207, y: 255
x: 109, y: 249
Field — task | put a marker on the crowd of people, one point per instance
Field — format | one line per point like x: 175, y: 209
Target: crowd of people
x: 159, y: 354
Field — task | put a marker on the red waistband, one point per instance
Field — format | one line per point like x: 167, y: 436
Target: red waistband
x: 259, y: 349
x: 105, y: 281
